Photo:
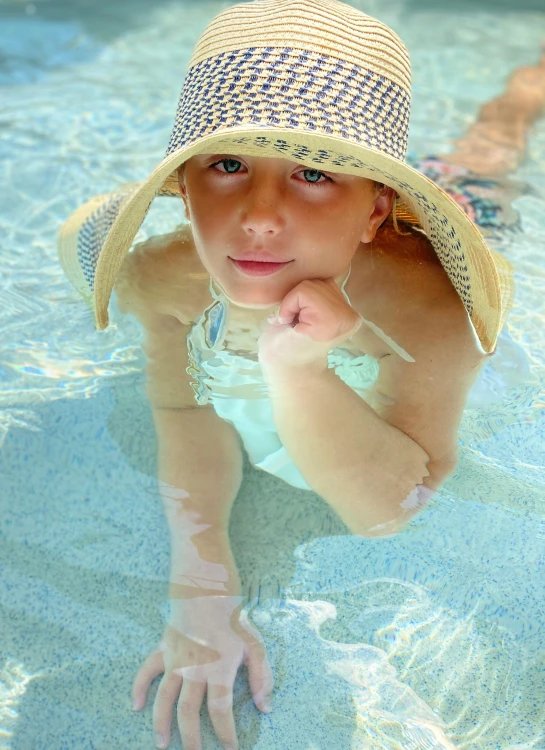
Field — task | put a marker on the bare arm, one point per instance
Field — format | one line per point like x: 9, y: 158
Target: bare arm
x: 207, y: 637
x: 199, y: 454
x: 199, y: 472
x: 382, y: 461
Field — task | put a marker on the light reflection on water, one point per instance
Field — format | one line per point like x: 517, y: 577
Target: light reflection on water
x: 444, y: 617
x: 14, y: 682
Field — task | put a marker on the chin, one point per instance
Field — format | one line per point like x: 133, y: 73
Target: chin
x: 249, y: 304
x: 258, y: 305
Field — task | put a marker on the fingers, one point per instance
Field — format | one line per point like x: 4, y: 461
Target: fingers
x: 189, y: 691
x: 188, y: 713
x: 167, y: 694
x: 220, y: 709
x: 152, y: 668
x: 260, y: 676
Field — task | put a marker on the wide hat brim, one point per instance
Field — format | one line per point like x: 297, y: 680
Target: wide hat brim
x: 483, y: 280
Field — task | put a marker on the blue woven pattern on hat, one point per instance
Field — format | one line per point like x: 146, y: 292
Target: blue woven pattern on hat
x: 93, y: 233
x: 294, y: 89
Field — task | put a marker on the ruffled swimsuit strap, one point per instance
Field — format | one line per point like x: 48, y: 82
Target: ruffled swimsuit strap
x: 344, y: 283
x: 214, y: 322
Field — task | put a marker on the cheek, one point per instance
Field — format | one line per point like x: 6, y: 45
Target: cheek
x: 336, y: 230
x: 204, y: 208
x: 207, y: 209
x: 344, y: 219
x: 211, y: 221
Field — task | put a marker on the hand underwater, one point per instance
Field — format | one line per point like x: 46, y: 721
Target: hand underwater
x: 313, y: 318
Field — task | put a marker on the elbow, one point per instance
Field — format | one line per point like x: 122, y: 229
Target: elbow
x: 402, y: 505
x: 383, y: 504
x: 411, y: 506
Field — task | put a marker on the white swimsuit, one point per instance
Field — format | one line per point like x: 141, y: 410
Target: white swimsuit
x: 217, y: 371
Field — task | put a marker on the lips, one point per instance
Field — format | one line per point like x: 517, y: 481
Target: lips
x: 260, y: 256
x: 258, y: 268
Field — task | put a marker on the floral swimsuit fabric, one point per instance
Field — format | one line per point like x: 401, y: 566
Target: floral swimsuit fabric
x: 487, y: 201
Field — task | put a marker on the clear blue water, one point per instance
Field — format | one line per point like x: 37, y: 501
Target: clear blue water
x: 432, y: 639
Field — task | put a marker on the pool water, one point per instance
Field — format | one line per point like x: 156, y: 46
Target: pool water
x: 431, y: 639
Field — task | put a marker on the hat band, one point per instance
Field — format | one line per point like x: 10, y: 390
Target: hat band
x: 287, y: 88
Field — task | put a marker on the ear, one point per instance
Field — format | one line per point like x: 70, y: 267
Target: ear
x: 183, y: 191
x: 382, y: 207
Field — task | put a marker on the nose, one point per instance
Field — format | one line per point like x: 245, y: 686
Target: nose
x: 262, y: 214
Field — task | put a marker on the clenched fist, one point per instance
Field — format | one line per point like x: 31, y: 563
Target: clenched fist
x: 313, y: 318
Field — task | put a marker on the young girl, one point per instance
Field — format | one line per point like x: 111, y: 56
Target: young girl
x: 326, y: 309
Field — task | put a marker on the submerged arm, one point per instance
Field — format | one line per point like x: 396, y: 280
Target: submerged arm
x: 376, y: 466
x: 364, y: 467
x: 199, y: 455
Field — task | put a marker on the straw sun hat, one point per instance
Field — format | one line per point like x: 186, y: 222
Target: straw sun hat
x: 316, y: 82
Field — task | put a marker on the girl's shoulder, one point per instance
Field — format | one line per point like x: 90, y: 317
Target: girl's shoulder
x: 400, y: 286
x: 166, y: 275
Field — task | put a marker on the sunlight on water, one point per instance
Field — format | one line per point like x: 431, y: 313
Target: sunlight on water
x: 14, y: 681
x: 426, y: 642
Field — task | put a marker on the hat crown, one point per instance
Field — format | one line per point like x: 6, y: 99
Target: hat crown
x: 327, y: 27
x: 313, y: 66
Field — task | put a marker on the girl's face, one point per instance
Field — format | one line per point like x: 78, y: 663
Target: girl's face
x: 314, y: 221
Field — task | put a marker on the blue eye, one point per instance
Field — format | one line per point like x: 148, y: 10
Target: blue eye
x: 231, y: 166
x: 313, y: 176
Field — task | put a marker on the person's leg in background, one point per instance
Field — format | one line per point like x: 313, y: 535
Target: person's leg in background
x: 495, y: 144
x: 493, y: 147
